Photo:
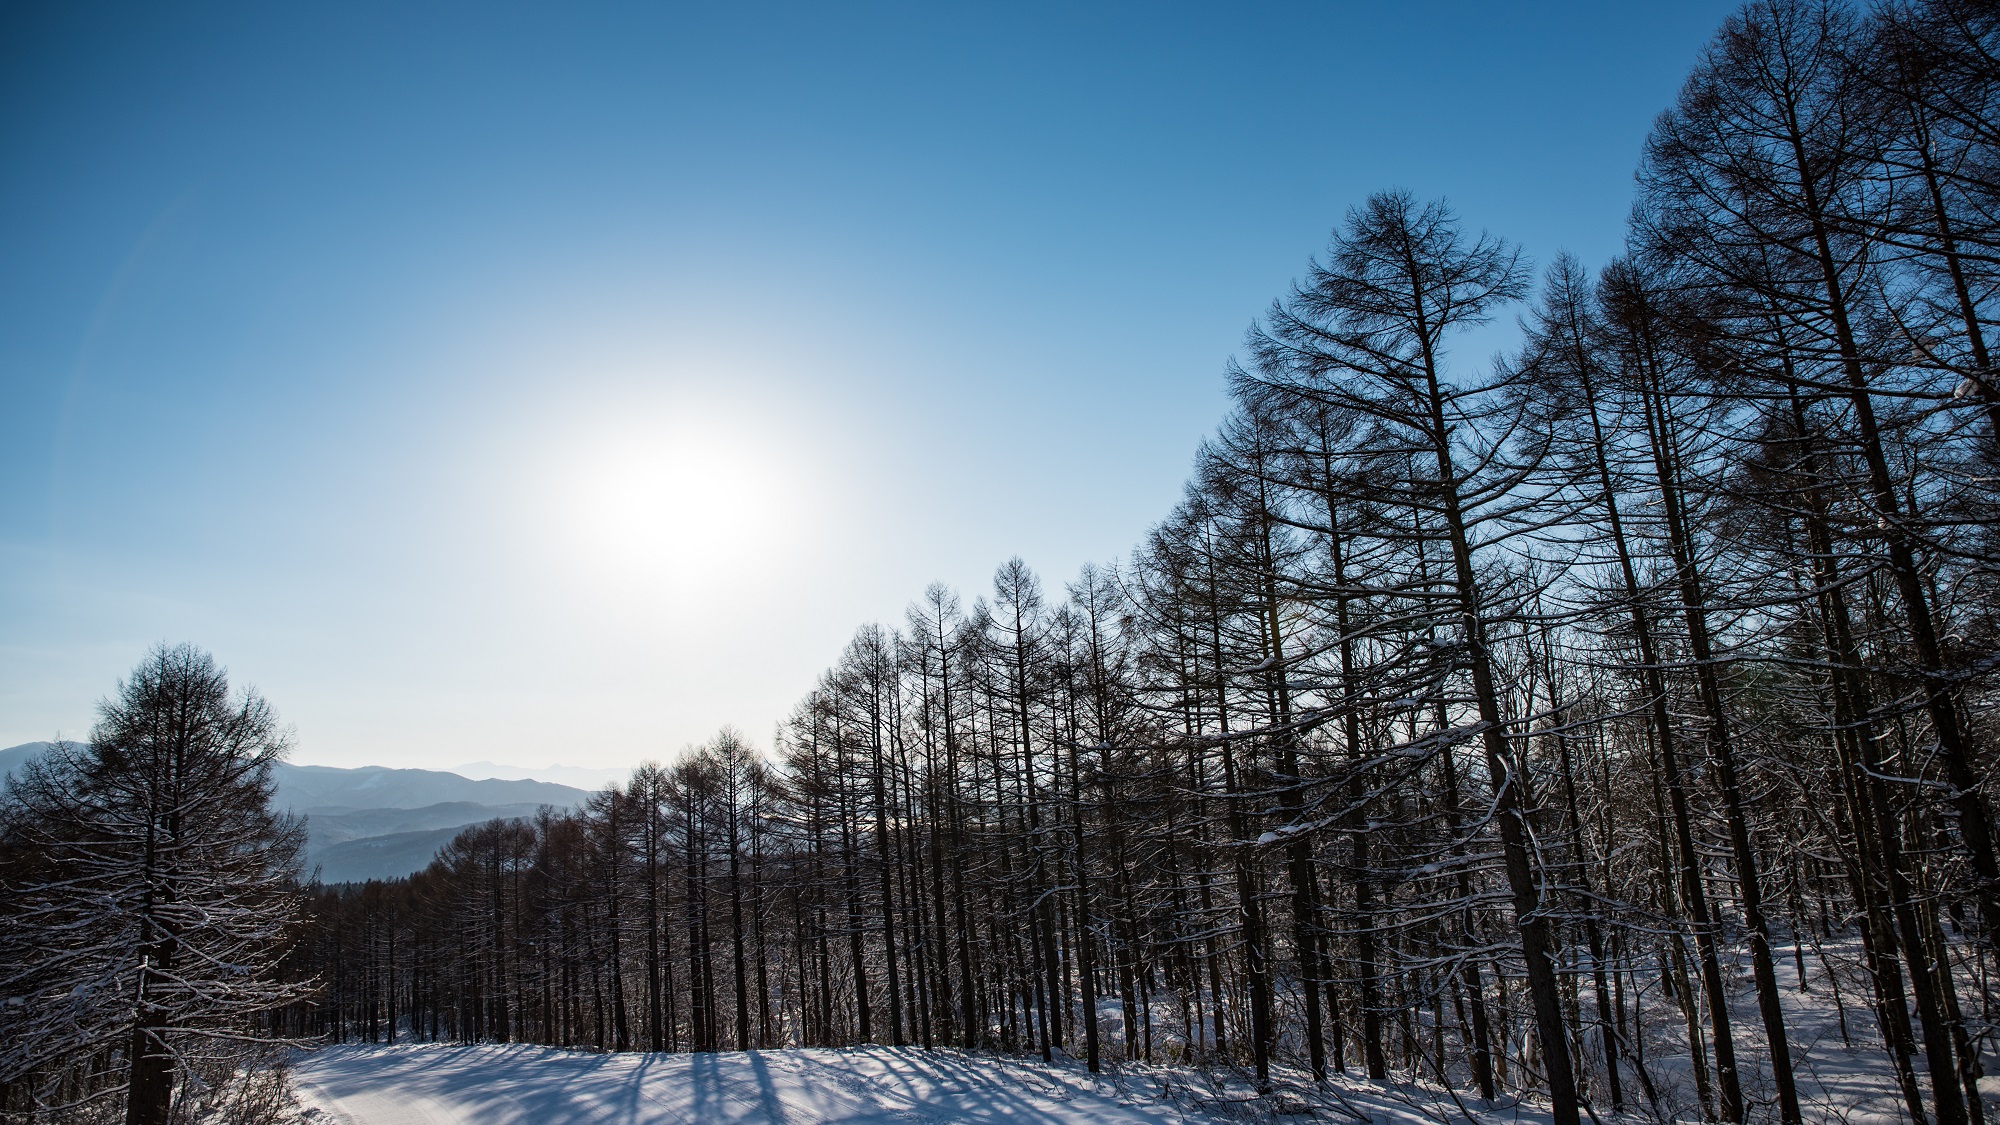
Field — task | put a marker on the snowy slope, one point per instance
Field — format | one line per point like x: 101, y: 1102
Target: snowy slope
x: 1847, y: 1082
x: 517, y: 1085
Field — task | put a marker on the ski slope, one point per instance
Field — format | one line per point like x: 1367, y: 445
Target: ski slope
x: 429, y: 1084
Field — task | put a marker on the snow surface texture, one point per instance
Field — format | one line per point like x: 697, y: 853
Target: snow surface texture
x: 518, y: 1085
x: 1840, y: 1083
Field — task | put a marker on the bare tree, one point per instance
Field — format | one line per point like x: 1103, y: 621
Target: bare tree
x: 148, y: 891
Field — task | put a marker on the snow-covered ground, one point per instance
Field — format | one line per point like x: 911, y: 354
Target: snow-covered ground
x: 517, y: 1085
x: 1847, y: 1079
x: 437, y: 1084
x: 491, y: 1084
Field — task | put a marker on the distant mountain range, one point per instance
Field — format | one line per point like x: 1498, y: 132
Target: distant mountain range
x: 306, y: 788
x: 374, y: 822
x: 583, y: 777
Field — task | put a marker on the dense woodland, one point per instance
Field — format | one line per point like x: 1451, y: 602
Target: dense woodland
x: 1465, y: 720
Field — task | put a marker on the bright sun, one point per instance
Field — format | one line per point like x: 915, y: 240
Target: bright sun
x: 686, y: 508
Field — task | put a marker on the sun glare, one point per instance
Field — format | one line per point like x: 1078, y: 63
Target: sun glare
x: 683, y: 509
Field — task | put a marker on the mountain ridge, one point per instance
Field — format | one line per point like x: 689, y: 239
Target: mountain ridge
x: 381, y: 822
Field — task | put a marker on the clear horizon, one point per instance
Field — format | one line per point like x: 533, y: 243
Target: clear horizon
x: 557, y: 387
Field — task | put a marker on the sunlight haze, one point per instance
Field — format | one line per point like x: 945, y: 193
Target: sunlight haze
x: 540, y: 385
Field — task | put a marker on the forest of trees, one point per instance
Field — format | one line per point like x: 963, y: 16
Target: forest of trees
x: 1467, y: 720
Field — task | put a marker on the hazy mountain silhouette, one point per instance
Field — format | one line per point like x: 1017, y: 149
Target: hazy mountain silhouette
x: 374, y: 822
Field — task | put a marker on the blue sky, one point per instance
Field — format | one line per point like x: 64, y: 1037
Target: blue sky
x: 560, y: 382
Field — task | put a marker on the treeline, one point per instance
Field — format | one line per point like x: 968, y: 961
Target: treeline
x: 1468, y: 720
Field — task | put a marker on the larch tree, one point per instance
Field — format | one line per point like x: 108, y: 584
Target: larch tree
x: 148, y: 893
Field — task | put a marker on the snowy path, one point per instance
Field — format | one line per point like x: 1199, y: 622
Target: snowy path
x: 516, y: 1085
